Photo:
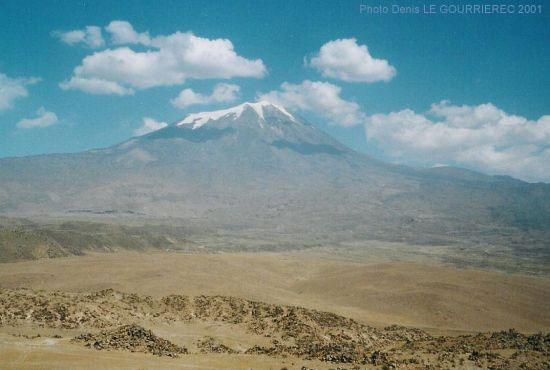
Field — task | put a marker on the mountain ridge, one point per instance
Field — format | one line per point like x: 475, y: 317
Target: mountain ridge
x: 259, y: 170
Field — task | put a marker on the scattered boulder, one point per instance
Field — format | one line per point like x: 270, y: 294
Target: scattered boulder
x: 108, y: 318
x: 132, y: 338
x: 211, y: 345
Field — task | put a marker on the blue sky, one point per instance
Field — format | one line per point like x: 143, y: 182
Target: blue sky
x: 466, y: 89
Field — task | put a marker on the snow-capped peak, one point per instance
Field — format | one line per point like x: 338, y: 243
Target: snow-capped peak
x: 199, y: 119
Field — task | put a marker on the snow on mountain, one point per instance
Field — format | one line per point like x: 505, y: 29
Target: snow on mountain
x: 201, y: 118
x: 257, y: 171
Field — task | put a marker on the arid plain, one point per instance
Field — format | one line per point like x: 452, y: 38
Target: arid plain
x: 439, y: 300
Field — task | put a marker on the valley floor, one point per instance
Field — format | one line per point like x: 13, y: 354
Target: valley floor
x: 439, y: 300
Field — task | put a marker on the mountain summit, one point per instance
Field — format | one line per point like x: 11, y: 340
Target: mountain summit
x: 261, y: 172
x: 249, y: 130
x: 260, y: 108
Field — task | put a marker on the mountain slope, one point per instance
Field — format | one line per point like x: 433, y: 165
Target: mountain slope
x: 257, y: 169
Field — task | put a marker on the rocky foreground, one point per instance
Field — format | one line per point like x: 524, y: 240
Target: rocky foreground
x: 111, y: 320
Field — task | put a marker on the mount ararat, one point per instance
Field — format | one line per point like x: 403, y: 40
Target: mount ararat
x: 258, y: 171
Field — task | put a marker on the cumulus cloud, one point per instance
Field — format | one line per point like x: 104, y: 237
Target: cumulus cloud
x: 90, y: 36
x: 149, y: 125
x: 12, y: 89
x: 95, y: 86
x: 321, y: 98
x: 43, y: 119
x: 167, y: 61
x: 123, y: 32
x: 482, y: 137
x: 345, y: 60
x: 222, y: 93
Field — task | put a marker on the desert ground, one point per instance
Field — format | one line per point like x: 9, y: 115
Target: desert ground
x: 401, y: 304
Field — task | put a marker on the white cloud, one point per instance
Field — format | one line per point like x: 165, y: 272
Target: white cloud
x: 222, y: 93
x: 44, y: 119
x: 12, y: 89
x: 321, y: 98
x: 482, y: 137
x: 123, y: 32
x: 95, y: 86
x: 168, y: 60
x: 345, y: 60
x: 149, y: 125
x: 90, y: 36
